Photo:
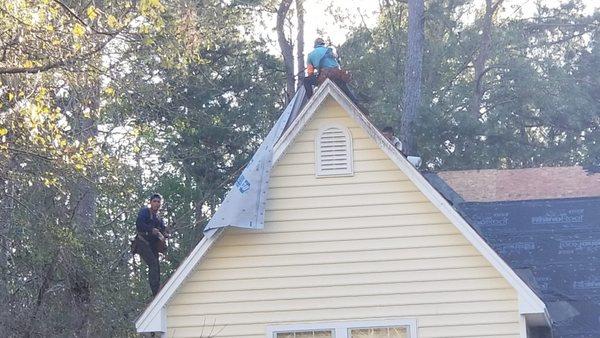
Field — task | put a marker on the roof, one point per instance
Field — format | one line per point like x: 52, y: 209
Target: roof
x: 522, y: 184
x: 551, y: 239
x: 530, y: 305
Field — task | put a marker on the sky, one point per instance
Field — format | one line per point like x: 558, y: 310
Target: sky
x: 316, y: 17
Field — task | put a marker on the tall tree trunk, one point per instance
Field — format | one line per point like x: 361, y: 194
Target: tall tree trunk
x: 8, y: 189
x: 300, y: 38
x: 84, y: 191
x: 86, y: 194
x: 286, y: 48
x: 483, y: 55
x: 412, y: 75
x: 84, y: 215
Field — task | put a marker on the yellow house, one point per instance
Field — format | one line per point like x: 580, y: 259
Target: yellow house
x: 356, y: 243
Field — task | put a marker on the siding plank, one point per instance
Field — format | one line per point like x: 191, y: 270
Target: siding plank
x: 199, y: 297
x: 351, y: 211
x: 263, y: 238
x: 198, y: 282
x: 309, y: 134
x: 335, y: 246
x: 375, y: 161
x: 307, y: 169
x: 346, y: 201
x: 343, y: 302
x: 341, y: 189
x: 342, y: 268
x: 339, y: 257
x: 362, y: 177
x: 401, y: 221
x: 511, y: 328
x: 309, y: 146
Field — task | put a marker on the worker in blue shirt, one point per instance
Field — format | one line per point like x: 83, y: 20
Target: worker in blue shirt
x: 150, y: 231
x: 324, y: 62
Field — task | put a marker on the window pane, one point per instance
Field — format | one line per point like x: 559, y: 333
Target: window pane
x: 380, y: 332
x: 306, y: 334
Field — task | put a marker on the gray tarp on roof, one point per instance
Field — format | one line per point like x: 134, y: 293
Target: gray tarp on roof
x: 554, y: 242
x: 244, y: 204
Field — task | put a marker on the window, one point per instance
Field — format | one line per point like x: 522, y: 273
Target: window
x: 334, y: 152
x: 379, y: 332
x: 401, y: 328
x: 305, y: 334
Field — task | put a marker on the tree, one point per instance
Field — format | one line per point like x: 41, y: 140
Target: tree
x: 412, y: 75
x: 59, y: 128
x: 300, y: 37
x: 483, y: 52
x: 286, y: 48
x: 535, y: 110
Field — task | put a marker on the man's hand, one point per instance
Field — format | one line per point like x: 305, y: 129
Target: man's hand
x: 155, y: 231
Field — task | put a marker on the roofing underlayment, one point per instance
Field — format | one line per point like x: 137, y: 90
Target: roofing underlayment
x: 553, y: 242
x: 244, y: 204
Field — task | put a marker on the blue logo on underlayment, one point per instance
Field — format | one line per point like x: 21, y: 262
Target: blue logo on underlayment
x: 497, y: 219
x: 559, y: 217
x: 587, y: 284
x: 242, y: 184
x: 516, y: 247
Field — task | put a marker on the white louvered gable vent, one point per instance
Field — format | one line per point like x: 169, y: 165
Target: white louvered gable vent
x: 334, y: 152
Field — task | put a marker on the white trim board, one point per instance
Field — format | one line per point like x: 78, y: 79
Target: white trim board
x: 153, y: 319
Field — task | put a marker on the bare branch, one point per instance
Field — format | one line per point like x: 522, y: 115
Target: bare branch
x: 52, y: 65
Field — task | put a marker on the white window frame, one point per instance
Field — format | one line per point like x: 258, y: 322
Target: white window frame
x: 340, y: 329
x: 349, y: 148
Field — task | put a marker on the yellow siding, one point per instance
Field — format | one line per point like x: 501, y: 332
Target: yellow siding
x: 366, y: 247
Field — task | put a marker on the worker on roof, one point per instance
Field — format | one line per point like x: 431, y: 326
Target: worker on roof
x: 388, y: 132
x: 322, y: 64
x: 150, y: 239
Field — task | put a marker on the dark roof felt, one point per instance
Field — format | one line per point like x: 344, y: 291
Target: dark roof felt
x: 553, y: 244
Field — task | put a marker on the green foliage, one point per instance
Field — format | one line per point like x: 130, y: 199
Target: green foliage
x: 107, y: 108
x: 538, y: 108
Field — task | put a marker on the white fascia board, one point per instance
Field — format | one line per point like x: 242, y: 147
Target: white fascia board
x: 158, y: 322
x: 529, y: 302
x: 154, y: 318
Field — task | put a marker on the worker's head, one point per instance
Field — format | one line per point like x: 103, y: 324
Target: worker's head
x: 155, y: 202
x: 388, y: 132
x: 319, y: 42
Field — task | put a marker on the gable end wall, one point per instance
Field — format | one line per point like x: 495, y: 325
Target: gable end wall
x: 365, y: 247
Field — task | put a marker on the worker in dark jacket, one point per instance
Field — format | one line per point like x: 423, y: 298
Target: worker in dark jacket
x: 150, y: 228
x: 324, y: 62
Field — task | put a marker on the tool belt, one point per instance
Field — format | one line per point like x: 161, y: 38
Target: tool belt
x: 144, y: 233
x: 333, y: 74
x: 160, y: 245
